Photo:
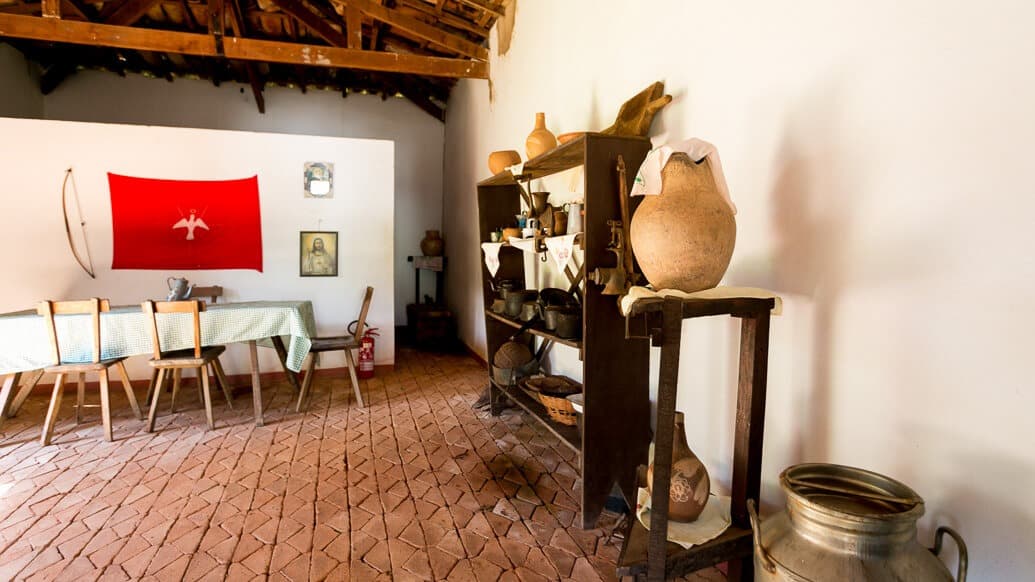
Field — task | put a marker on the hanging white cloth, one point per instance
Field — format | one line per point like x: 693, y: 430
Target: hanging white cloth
x: 492, y: 256
x: 648, y: 178
x: 560, y: 248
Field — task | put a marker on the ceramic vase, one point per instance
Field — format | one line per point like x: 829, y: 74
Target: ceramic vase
x: 432, y: 243
x: 540, y: 140
x: 683, y: 238
x: 689, y: 485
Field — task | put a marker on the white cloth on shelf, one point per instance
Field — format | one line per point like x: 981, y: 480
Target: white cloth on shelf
x: 560, y: 248
x: 714, y: 519
x: 492, y: 256
x: 637, y: 294
x: 525, y: 244
x: 648, y: 178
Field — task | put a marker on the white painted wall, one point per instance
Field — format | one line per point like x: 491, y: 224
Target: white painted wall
x: 35, y: 254
x: 879, y: 155
x: 103, y: 97
x: 19, y: 85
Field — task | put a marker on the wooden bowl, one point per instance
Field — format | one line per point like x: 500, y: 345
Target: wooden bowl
x: 509, y: 232
x: 566, y: 137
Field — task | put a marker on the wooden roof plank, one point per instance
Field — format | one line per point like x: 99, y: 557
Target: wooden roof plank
x: 420, y: 29
x: 85, y: 33
x: 129, y: 12
x: 313, y: 22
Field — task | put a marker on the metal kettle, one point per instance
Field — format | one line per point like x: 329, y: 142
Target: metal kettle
x: 179, y: 289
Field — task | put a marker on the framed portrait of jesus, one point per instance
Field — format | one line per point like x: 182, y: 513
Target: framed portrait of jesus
x: 318, y: 253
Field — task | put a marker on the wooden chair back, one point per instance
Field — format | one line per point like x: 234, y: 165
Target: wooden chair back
x: 213, y: 292
x: 93, y: 307
x: 191, y: 306
x: 362, y: 320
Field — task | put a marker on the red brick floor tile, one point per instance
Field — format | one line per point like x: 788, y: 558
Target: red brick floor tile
x: 416, y: 486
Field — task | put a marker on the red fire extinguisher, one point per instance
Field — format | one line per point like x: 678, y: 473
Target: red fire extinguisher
x: 366, y: 351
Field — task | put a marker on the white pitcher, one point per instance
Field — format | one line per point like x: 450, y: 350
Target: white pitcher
x: 179, y: 289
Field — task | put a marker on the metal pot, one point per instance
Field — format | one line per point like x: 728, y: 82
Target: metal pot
x: 550, y: 313
x: 844, y: 523
x: 515, y: 299
x: 569, y: 323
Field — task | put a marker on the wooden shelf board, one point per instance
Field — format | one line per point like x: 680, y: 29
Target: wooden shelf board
x: 536, y: 329
x: 732, y: 544
x: 568, y: 435
x: 563, y: 157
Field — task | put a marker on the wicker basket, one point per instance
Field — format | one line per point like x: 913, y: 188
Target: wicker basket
x: 551, y: 392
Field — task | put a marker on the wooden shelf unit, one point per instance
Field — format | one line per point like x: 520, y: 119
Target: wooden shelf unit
x: 616, y: 417
x: 649, y: 552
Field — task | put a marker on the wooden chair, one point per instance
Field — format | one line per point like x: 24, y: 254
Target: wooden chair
x: 213, y: 293
x: 199, y: 358
x: 331, y: 344
x: 92, y: 307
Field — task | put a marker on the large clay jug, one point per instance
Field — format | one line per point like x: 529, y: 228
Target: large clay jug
x: 540, y: 140
x: 683, y: 238
x: 432, y: 243
x: 689, y: 484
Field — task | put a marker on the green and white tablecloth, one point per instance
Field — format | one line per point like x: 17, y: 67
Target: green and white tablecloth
x: 124, y: 332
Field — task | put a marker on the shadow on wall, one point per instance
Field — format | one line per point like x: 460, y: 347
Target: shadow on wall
x: 811, y: 206
x: 973, y: 496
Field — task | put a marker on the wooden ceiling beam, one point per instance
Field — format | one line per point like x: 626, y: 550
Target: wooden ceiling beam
x: 354, y: 28
x: 85, y: 33
x: 129, y: 12
x: 483, y: 6
x: 254, y: 79
x: 51, y: 8
x: 421, y: 29
x: 313, y: 21
x: 445, y: 17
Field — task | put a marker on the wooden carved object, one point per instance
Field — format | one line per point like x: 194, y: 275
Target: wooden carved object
x: 636, y: 114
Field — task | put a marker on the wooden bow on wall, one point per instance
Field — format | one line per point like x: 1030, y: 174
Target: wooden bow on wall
x: 87, y: 265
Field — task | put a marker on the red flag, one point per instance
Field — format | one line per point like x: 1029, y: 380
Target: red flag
x: 185, y: 224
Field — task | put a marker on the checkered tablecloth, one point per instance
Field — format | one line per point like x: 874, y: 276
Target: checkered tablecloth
x: 124, y: 332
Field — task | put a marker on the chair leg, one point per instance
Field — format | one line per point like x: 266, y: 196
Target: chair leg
x: 307, y: 383
x: 23, y: 393
x: 80, y: 400
x: 52, y: 410
x: 106, y: 405
x: 128, y: 387
x: 352, y: 374
x: 151, y: 387
x: 217, y: 368
x: 159, y: 381
x: 177, y: 374
x: 203, y: 376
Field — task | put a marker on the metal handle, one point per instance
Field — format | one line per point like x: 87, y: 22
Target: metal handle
x: 756, y: 533
x: 961, y: 548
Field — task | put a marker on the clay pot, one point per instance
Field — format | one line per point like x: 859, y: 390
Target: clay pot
x: 503, y: 159
x: 432, y: 243
x: 689, y: 486
x: 540, y: 140
x: 683, y: 238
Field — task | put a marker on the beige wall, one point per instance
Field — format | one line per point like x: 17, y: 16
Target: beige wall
x: 879, y: 156
x: 103, y: 97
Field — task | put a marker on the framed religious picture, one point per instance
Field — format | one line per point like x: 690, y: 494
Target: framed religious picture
x: 318, y: 253
x: 318, y: 180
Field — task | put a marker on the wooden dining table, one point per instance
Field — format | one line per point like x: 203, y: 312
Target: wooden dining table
x: 25, y: 347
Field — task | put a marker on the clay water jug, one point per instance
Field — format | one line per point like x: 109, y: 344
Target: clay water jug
x: 540, y: 140
x: 432, y: 243
x: 689, y: 485
x: 683, y: 238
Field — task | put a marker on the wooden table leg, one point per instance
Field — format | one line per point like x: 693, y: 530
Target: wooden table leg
x: 747, y: 443
x: 10, y: 381
x: 278, y: 344
x: 253, y: 351
x: 668, y: 376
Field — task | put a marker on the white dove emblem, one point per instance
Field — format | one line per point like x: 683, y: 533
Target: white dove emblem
x: 190, y: 224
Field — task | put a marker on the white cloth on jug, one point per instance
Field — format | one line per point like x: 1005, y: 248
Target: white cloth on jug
x: 648, y: 178
x: 492, y: 256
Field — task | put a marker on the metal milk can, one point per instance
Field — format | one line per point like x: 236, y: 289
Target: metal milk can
x: 844, y: 523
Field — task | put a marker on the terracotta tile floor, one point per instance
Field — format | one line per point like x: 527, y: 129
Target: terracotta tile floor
x: 417, y: 486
